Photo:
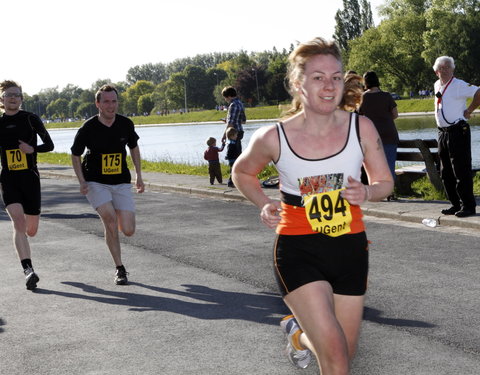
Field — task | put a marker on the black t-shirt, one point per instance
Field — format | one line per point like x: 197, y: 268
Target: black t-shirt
x: 378, y: 106
x: 106, y: 158
x: 23, y: 126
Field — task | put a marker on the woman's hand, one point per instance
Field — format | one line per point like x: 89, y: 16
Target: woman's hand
x: 356, y: 192
x: 270, y: 214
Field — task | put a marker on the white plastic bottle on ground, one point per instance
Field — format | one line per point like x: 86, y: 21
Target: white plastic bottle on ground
x: 432, y: 223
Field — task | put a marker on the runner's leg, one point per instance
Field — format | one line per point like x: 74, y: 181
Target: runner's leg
x: 109, y: 218
x: 19, y: 222
x: 313, y: 307
x: 126, y: 222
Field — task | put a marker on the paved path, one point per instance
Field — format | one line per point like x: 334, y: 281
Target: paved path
x: 411, y: 210
x: 202, y: 299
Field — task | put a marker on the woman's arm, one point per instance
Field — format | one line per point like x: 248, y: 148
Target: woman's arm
x: 375, y: 163
x: 262, y: 149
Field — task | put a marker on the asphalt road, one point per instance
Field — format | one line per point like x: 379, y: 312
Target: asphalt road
x: 202, y: 298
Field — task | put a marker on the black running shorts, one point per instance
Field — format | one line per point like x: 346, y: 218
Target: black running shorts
x: 341, y: 261
x: 22, y: 187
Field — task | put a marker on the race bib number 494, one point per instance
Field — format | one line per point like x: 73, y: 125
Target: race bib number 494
x: 111, y: 163
x: 16, y: 160
x: 328, y: 213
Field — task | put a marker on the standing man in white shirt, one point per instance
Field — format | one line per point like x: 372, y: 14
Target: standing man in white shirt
x: 454, y: 139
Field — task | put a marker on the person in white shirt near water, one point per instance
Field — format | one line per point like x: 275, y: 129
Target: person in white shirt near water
x: 454, y: 138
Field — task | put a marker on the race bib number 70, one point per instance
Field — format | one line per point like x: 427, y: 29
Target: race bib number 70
x: 16, y: 160
x: 328, y: 213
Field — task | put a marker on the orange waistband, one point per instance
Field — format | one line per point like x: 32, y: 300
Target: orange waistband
x: 294, y: 221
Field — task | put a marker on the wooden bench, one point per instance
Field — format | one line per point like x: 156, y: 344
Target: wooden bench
x: 421, y: 150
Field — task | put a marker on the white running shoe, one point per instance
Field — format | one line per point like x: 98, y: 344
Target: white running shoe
x: 298, y: 358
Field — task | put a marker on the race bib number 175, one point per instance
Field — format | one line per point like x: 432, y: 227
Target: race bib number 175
x: 112, y: 163
x: 328, y: 213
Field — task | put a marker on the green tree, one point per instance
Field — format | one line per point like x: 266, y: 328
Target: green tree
x: 145, y: 104
x: 275, y: 86
x: 453, y: 29
x: 170, y: 95
x: 86, y: 110
x: 70, y: 92
x: 155, y: 73
x: 366, y: 16
x: 99, y: 83
x: 351, y: 23
x: 131, y: 95
x: 73, y: 106
x: 58, y: 109
x: 394, y: 48
x: 348, y: 23
x: 199, y: 87
x: 216, y: 77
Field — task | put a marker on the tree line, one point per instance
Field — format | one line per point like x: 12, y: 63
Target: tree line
x: 412, y: 34
x: 401, y: 50
x: 188, y: 83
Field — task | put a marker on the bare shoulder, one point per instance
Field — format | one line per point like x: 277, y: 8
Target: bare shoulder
x: 367, y: 128
x: 265, y: 134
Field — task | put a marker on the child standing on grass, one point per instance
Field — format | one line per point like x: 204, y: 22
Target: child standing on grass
x: 211, y: 155
x: 233, y: 151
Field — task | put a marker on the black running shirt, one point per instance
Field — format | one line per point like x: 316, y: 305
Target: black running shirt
x: 106, y: 158
x: 23, y: 126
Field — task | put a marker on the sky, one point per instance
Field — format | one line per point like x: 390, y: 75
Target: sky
x: 52, y: 43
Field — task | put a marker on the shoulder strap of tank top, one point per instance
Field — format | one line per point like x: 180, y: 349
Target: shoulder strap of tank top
x: 281, y: 133
x: 356, y: 117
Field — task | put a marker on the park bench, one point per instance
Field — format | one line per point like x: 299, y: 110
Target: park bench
x: 418, y: 150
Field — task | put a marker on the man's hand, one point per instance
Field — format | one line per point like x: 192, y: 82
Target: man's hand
x: 140, y: 186
x: 25, y: 147
x: 84, y: 187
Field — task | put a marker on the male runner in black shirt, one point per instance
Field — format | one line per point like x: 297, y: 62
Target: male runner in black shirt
x: 103, y: 174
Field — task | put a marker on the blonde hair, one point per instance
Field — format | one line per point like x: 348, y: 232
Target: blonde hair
x: 297, y: 62
x: 352, y: 93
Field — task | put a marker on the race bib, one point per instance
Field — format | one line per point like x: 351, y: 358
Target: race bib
x: 16, y: 160
x: 328, y: 213
x: 112, y: 163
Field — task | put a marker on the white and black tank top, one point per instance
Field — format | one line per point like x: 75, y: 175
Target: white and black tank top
x: 295, y: 170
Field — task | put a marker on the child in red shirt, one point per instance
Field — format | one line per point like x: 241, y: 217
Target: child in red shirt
x: 211, y: 155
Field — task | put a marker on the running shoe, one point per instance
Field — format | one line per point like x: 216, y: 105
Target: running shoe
x: 31, y: 278
x: 121, y: 277
x: 298, y: 358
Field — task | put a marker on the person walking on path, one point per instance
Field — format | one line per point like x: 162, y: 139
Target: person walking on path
x: 454, y: 138
x: 20, y: 180
x: 104, y: 176
x: 236, y: 114
x: 211, y: 155
x: 321, y: 251
x: 380, y: 107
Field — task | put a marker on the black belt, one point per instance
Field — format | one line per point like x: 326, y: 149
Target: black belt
x: 458, y: 125
x: 292, y: 200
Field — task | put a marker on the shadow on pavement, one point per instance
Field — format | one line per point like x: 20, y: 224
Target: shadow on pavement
x: 374, y: 316
x: 71, y: 216
x: 1, y: 324
x: 215, y: 304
